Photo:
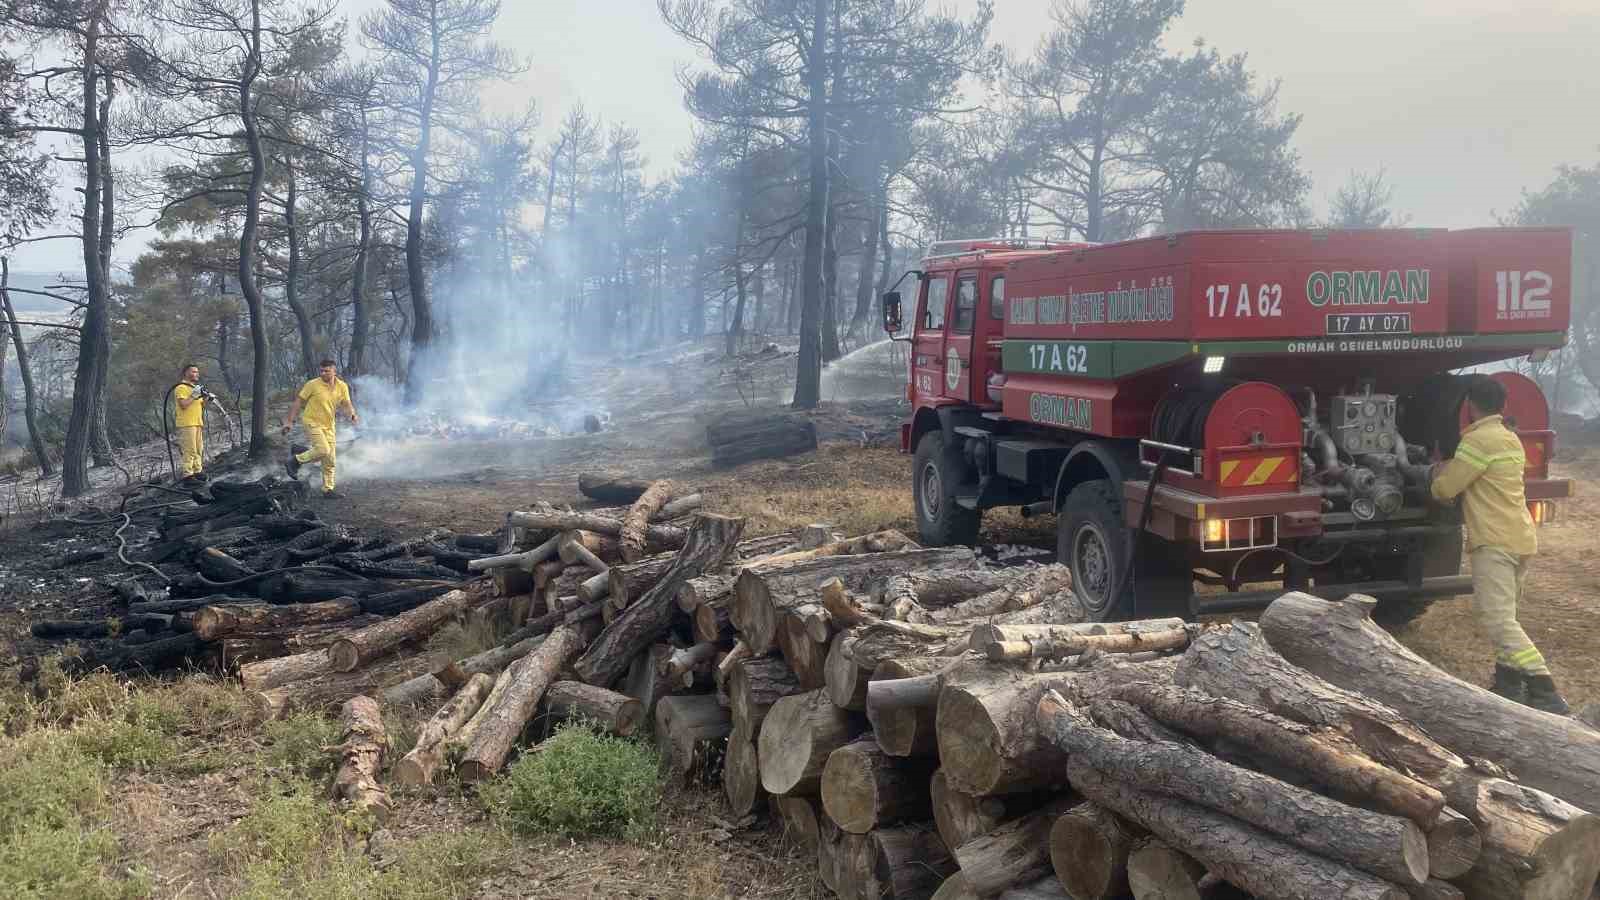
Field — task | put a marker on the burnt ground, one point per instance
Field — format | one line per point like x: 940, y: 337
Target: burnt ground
x: 856, y: 481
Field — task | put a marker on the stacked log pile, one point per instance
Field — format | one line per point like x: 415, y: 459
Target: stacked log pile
x: 931, y: 726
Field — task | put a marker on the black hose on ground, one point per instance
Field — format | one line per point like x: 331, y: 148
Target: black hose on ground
x: 166, y: 429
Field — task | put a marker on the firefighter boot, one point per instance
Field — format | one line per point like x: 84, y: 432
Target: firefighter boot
x: 1508, y: 683
x: 1543, y: 696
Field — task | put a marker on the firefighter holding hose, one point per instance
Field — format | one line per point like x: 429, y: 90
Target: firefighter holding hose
x: 1486, y: 473
x: 189, y: 418
x: 321, y: 398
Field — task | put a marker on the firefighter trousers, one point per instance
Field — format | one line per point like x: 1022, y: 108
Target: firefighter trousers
x: 321, y: 441
x: 1498, y: 578
x: 191, y: 440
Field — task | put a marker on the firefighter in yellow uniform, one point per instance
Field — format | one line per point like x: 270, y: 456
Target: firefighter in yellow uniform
x: 1486, y: 473
x: 189, y: 418
x: 321, y: 398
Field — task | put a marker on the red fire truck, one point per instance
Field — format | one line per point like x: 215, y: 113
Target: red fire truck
x: 1213, y: 411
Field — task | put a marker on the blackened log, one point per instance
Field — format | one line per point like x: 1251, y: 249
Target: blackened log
x: 219, y: 566
x: 81, y: 630
x: 154, y: 656
x: 478, y: 544
x: 391, y: 603
x: 614, y: 491
x: 292, y: 587
x: 187, y: 604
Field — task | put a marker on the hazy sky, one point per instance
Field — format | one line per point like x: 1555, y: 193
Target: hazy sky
x: 1464, y: 102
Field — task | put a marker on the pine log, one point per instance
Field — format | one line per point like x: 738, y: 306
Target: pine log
x: 711, y: 541
x: 467, y: 734
x: 1157, y: 872
x: 525, y: 561
x: 1339, y: 642
x: 741, y: 775
x: 855, y: 654
x: 909, y: 862
x: 754, y: 685
x: 617, y: 713
x: 1089, y: 848
x: 685, y: 661
x: 638, y: 518
x: 738, y: 440
x: 711, y: 620
x: 361, y: 751
x: 863, y: 789
x: 185, y: 604
x: 962, y: 817
x: 644, y: 681
x: 1245, y: 856
x: 546, y: 572
x: 1047, y: 589
x: 986, y: 634
x: 595, y: 587
x: 589, y: 549
x: 692, y: 733
x: 657, y: 537
x: 697, y: 592
x: 679, y: 507
x: 805, y: 656
x: 858, y: 875
x: 801, y: 821
x: 627, y: 582
x: 876, y: 542
x: 1454, y: 845
x: 905, y: 729
x: 418, y: 766
x: 329, y: 689
x: 361, y: 647
x: 911, y: 596
x: 763, y: 590
x: 1387, y: 846
x: 798, y: 734
x: 830, y: 847
x: 1322, y: 754
x: 219, y: 566
x: 1438, y: 889
x: 271, y: 673
x: 989, y: 741
x: 525, y: 682
x: 215, y: 622
x: 1016, y: 852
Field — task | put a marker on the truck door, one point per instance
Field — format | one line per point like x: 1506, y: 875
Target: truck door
x: 958, y: 380
x: 927, y: 349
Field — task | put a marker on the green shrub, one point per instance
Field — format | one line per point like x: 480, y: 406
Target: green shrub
x: 300, y: 745
x: 579, y: 783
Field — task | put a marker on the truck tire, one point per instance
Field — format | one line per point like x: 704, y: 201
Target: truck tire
x: 936, y: 472
x: 1441, y: 556
x: 1094, y: 541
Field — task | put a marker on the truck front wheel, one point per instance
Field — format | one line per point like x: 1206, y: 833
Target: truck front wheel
x: 936, y: 473
x: 1094, y: 542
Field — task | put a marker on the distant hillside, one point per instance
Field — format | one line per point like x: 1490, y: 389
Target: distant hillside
x: 34, y: 281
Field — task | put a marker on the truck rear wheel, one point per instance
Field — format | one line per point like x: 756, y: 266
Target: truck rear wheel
x: 936, y: 474
x: 1093, y: 541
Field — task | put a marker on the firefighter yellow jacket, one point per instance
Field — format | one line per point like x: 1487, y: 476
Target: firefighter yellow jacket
x: 1486, y: 473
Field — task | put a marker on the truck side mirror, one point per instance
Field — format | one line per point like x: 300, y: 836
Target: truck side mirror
x: 891, y: 312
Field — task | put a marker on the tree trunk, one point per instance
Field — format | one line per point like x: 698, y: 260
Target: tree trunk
x: 917, y: 596
x: 419, y: 766
x: 360, y: 316
x: 709, y: 544
x: 830, y: 277
x: 94, y: 338
x: 361, y: 751
x: 799, y: 733
x: 1089, y: 848
x: 260, y: 386
x: 617, y: 713
x: 1386, y: 846
x: 216, y: 622
x: 30, y: 400
x: 291, y: 274
x: 864, y: 789
x: 763, y: 590
x: 361, y: 647
x: 692, y: 733
x: 423, y: 330
x: 869, y: 258
x: 989, y: 742
x: 271, y: 673
x: 638, y: 518
x: 1250, y: 859
x: 1015, y: 852
x: 808, y: 366
x: 525, y: 682
x: 1339, y: 642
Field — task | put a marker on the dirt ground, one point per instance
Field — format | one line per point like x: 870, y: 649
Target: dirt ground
x: 857, y: 481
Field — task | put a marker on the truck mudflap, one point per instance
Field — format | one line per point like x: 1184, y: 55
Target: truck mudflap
x: 1254, y: 601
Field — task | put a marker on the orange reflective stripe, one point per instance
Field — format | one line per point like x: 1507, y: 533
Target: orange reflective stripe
x: 1258, y: 471
x: 1264, y: 470
x: 1227, y: 469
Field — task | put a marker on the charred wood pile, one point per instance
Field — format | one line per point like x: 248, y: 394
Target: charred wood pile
x: 924, y: 723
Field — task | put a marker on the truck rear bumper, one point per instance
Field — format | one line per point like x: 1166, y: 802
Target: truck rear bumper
x: 1252, y: 601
